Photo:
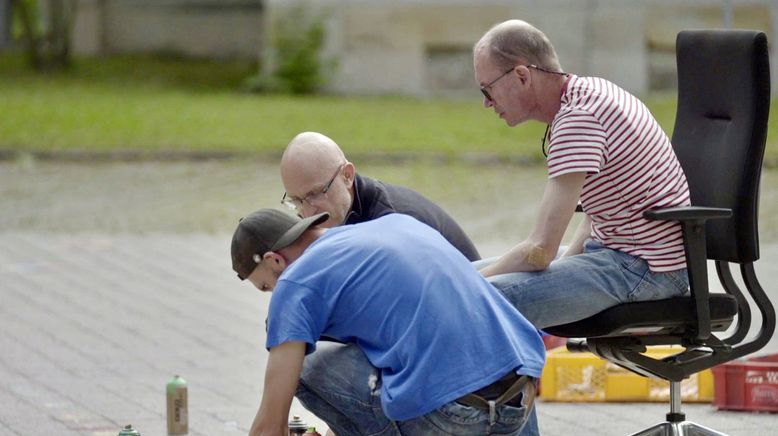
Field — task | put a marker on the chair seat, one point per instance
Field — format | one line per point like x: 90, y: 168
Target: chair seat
x: 658, y: 317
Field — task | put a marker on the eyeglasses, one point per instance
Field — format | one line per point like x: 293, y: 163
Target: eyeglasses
x: 488, y: 85
x: 297, y: 203
x: 532, y: 66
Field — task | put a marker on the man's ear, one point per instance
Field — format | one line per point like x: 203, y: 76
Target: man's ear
x: 276, y: 262
x: 524, y: 74
x: 349, y: 172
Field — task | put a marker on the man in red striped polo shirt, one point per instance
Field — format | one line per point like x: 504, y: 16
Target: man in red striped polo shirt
x: 606, y: 151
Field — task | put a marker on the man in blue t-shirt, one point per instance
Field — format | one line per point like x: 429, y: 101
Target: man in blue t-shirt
x: 448, y: 354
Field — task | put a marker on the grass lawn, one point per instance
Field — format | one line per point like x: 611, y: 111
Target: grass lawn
x: 146, y: 104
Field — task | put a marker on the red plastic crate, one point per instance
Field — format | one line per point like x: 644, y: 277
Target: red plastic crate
x: 552, y: 342
x: 750, y: 384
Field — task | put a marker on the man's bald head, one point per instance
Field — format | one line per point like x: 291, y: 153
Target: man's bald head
x: 309, y: 162
x: 515, y: 42
x: 311, y: 151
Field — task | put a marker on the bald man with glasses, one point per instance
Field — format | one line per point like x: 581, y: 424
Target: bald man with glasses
x: 318, y: 178
x: 606, y: 152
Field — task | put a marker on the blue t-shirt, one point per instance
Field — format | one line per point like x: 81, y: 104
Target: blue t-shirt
x: 433, y: 326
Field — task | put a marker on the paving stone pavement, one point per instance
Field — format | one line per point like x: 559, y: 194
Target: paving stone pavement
x: 93, y: 324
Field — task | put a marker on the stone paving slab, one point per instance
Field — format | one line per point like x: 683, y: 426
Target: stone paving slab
x: 92, y: 326
x: 115, y: 276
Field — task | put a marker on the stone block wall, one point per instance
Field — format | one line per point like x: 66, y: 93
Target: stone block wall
x: 200, y: 28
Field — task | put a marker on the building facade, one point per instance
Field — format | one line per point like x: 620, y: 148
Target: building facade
x: 219, y: 29
x: 424, y: 47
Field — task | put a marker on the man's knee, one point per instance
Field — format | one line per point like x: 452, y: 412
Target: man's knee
x: 335, y: 364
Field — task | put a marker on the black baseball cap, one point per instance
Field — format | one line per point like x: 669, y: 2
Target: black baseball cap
x: 266, y: 230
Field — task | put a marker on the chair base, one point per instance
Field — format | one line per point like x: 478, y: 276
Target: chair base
x: 682, y: 428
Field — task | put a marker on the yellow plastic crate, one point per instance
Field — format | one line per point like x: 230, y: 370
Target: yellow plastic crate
x: 584, y: 377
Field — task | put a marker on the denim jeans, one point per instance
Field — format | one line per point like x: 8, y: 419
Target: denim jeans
x: 340, y: 386
x: 576, y: 287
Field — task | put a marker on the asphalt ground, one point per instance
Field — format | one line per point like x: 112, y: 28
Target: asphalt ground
x: 114, y: 277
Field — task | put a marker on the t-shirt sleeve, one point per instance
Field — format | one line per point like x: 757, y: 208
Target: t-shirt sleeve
x: 296, y: 313
x: 577, y: 144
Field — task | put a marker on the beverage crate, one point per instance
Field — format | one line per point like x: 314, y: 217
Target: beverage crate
x: 750, y: 384
x: 585, y: 377
x: 551, y: 342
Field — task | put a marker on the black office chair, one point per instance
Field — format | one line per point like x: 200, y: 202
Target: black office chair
x: 719, y: 138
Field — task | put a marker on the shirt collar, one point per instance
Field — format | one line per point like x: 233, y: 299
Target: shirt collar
x: 356, y: 204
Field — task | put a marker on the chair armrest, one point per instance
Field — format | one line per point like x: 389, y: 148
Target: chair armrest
x: 687, y: 213
x: 692, y: 219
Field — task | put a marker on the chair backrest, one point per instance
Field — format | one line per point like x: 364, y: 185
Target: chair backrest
x: 721, y: 129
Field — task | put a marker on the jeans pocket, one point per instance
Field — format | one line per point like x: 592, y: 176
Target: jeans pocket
x: 636, y: 277
x: 456, y: 418
x: 511, y: 415
x: 657, y: 286
x: 459, y: 413
x: 680, y: 279
x: 633, y: 264
x: 644, y: 291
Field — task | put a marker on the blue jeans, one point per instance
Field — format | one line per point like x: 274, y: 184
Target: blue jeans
x: 340, y: 386
x: 576, y: 287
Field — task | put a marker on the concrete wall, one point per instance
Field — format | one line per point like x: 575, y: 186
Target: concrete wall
x: 207, y: 28
x: 427, y: 51
x: 423, y: 47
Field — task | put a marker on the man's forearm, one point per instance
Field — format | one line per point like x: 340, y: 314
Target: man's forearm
x: 281, y: 377
x: 260, y: 428
x: 582, y: 233
x: 526, y: 256
x: 556, y: 208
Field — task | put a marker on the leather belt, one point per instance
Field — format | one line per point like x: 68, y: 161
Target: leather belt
x: 512, y: 389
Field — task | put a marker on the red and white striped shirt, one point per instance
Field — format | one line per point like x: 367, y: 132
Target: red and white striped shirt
x: 608, y: 133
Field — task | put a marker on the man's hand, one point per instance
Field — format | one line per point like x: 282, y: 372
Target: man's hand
x: 281, y: 378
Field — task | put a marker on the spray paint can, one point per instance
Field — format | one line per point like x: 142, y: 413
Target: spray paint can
x: 297, y: 426
x: 129, y: 431
x: 311, y: 432
x: 177, y: 406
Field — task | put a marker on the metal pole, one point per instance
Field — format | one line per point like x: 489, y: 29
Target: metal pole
x: 675, y: 397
